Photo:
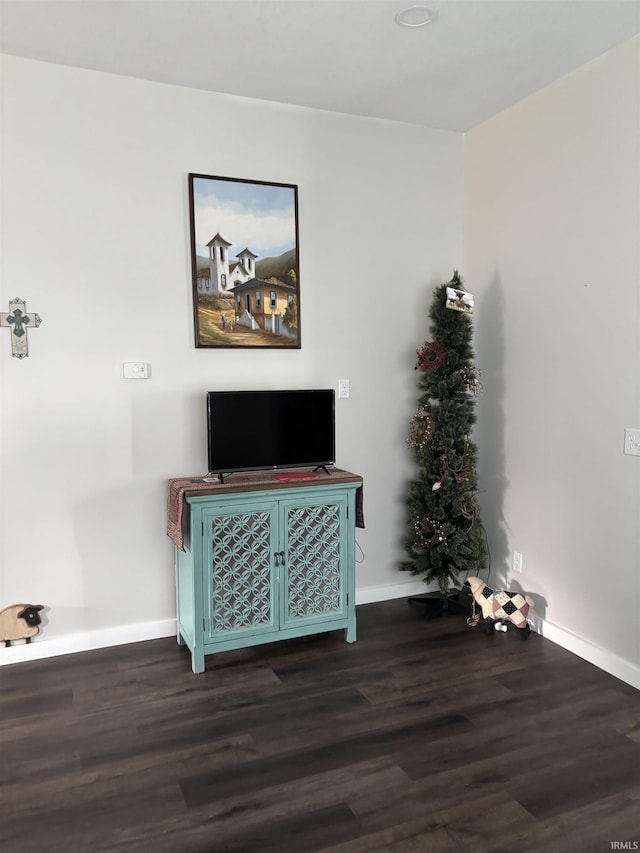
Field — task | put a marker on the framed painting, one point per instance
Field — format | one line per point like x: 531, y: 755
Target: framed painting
x: 244, y: 259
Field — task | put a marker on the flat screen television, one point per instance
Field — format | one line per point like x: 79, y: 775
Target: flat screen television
x: 253, y: 430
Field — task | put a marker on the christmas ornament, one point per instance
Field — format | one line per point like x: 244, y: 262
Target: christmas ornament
x: 459, y: 300
x: 431, y: 356
x: 470, y: 377
x: 438, y: 536
x: 421, y: 429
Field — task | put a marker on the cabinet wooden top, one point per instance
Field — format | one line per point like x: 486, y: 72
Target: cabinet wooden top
x: 185, y: 488
x: 255, y: 481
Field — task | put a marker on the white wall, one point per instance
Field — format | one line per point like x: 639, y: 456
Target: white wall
x: 94, y: 231
x: 552, y: 225
x: 95, y: 239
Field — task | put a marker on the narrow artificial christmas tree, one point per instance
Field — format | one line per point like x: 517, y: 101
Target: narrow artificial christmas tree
x: 445, y: 539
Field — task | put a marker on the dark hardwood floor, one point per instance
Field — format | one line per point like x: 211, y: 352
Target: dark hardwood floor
x: 422, y: 736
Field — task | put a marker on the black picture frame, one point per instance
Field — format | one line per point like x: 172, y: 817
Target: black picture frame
x: 244, y: 263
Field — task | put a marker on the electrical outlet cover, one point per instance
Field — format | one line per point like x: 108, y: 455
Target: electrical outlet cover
x: 632, y: 442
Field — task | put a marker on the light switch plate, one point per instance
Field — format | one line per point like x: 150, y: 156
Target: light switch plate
x: 135, y: 370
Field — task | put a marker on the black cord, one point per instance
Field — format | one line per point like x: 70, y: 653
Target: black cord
x: 486, y: 539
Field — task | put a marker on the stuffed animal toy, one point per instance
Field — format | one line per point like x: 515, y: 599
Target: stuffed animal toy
x: 19, y: 622
x: 500, y: 607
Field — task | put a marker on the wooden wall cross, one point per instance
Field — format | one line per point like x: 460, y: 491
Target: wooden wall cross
x: 19, y: 320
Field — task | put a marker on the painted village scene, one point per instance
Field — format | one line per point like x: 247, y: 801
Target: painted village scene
x: 245, y: 264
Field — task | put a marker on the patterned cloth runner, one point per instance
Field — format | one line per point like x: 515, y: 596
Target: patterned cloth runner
x: 180, y: 488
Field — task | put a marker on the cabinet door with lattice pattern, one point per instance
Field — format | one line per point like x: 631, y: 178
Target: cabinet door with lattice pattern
x: 240, y: 593
x: 312, y: 575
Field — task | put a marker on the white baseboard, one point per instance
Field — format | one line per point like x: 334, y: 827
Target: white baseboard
x: 41, y: 648
x: 385, y: 593
x: 603, y: 659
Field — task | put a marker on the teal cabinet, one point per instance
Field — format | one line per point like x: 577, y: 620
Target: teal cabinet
x: 265, y: 565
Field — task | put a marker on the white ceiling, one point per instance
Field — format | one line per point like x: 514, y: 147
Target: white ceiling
x: 476, y: 59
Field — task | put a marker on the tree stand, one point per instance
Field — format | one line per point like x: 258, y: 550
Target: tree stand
x: 436, y: 603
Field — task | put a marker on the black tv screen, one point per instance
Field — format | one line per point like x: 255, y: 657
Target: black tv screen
x: 252, y: 430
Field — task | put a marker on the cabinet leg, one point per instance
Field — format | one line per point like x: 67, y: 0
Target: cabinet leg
x: 350, y: 633
x: 197, y: 661
x: 181, y: 640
